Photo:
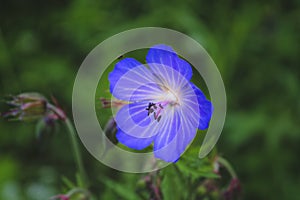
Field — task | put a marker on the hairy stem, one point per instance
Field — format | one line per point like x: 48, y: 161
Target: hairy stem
x: 72, y: 133
x: 76, y: 151
x: 227, y: 166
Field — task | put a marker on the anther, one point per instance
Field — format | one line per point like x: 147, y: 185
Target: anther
x: 156, y: 110
x: 155, y: 116
x: 158, y: 119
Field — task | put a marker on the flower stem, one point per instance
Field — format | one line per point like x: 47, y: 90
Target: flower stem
x: 228, y: 166
x: 77, y: 153
x: 72, y: 133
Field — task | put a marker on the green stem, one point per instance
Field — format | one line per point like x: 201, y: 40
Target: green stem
x: 77, y: 153
x: 72, y: 133
x: 228, y: 166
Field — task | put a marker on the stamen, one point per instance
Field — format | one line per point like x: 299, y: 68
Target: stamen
x: 155, y: 116
x: 158, y: 119
x: 156, y: 110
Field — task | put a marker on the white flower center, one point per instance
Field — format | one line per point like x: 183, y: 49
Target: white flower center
x: 171, y: 97
x: 167, y: 98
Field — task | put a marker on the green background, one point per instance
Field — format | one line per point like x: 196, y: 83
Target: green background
x: 255, y: 44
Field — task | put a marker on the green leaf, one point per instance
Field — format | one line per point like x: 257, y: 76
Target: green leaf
x: 79, y: 180
x: 191, y: 166
x: 172, y: 185
x: 70, y: 185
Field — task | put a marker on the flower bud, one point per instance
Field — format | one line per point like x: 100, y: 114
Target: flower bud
x: 27, y: 107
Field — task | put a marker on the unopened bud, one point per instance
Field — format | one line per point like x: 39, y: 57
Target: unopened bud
x: 107, y: 103
x: 27, y: 107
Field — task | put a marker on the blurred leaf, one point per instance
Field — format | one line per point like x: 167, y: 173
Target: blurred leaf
x: 172, y: 185
x: 8, y: 169
x: 120, y: 189
x: 191, y: 166
x: 70, y: 185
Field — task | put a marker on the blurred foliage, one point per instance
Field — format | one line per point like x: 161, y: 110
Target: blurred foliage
x: 255, y: 44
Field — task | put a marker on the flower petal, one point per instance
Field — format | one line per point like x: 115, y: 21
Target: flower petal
x: 171, y: 150
x: 131, y: 81
x: 165, y: 55
x: 133, y: 142
x: 205, y: 108
x: 133, y: 120
x: 177, y: 133
x: 168, y: 130
x: 120, y: 69
x: 179, y: 130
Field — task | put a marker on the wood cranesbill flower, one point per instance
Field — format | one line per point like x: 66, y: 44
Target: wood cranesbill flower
x: 164, y: 107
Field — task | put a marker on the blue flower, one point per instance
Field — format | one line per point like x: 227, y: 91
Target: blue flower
x: 164, y: 107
